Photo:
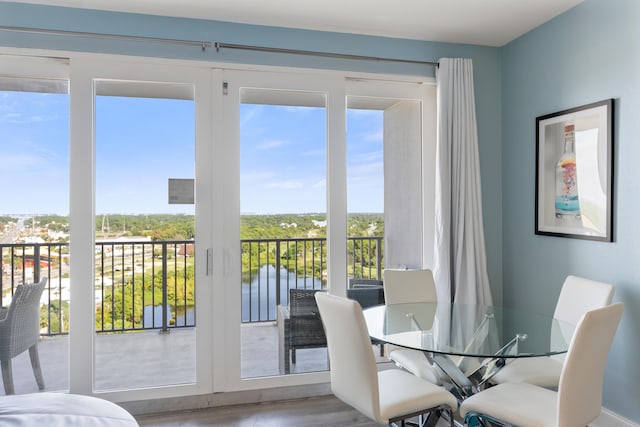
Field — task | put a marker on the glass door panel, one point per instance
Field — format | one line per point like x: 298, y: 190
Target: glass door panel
x: 283, y: 230
x: 145, y: 230
x: 34, y: 232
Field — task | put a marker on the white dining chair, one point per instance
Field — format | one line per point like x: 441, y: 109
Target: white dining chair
x: 578, y: 400
x: 409, y: 286
x: 387, y: 396
x: 577, y: 296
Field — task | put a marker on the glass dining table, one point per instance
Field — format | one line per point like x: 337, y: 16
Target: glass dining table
x: 469, y: 343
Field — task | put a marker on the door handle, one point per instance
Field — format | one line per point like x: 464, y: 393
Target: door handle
x: 209, y: 261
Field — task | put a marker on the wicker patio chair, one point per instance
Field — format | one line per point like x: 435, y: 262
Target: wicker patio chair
x: 20, y: 331
x: 301, y: 326
x: 357, y: 283
x: 368, y: 295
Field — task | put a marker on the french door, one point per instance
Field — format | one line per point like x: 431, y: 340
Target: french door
x: 141, y: 205
x: 291, y: 182
x: 169, y: 166
x: 277, y: 129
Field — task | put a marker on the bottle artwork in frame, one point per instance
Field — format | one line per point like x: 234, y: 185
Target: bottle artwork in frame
x: 574, y: 172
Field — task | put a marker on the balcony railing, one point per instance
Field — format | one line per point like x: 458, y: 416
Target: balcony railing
x: 270, y: 267
x: 151, y: 284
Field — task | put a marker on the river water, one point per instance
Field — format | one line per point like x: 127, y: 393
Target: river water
x: 258, y: 298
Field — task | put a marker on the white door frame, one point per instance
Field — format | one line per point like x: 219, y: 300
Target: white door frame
x: 336, y: 87
x: 332, y: 88
x: 84, y: 71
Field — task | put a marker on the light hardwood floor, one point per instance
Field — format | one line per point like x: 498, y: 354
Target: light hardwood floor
x: 322, y: 411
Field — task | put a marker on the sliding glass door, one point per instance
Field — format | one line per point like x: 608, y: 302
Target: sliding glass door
x: 283, y: 222
x: 149, y: 242
x: 323, y: 176
x: 145, y: 281
x: 183, y: 209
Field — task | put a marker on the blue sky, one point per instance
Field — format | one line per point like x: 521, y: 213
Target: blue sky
x: 140, y: 143
x: 283, y: 159
x: 34, y: 154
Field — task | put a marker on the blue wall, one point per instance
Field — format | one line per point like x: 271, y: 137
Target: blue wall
x: 588, y: 54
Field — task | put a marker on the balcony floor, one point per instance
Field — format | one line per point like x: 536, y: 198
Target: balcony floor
x: 147, y: 359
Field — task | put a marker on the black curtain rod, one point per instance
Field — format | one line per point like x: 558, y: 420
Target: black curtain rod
x: 219, y: 46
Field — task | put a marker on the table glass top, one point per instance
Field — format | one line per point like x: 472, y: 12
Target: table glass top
x: 469, y: 330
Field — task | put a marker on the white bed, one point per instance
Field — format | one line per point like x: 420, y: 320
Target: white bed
x: 59, y: 409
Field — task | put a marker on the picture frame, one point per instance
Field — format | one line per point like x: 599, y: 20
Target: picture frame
x: 574, y: 172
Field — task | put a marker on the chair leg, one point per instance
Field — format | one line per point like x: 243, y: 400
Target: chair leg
x: 7, y: 377
x: 475, y: 419
x: 35, y: 365
x: 287, y: 363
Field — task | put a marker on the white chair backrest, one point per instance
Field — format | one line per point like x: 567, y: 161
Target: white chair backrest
x: 580, y: 387
x: 579, y: 295
x: 407, y: 286
x: 354, y: 377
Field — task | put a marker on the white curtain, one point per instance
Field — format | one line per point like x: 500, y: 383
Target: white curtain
x: 459, y: 258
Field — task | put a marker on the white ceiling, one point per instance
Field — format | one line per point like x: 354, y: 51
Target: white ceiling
x: 482, y: 22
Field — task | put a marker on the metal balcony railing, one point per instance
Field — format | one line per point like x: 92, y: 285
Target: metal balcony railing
x: 151, y: 284
x: 270, y: 267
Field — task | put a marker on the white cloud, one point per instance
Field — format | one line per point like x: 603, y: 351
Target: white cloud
x: 21, y: 119
x: 273, y: 143
x: 248, y: 114
x: 320, y: 184
x: 19, y: 162
x: 373, y: 136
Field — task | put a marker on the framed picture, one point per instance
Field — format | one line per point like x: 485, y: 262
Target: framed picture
x: 574, y: 172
